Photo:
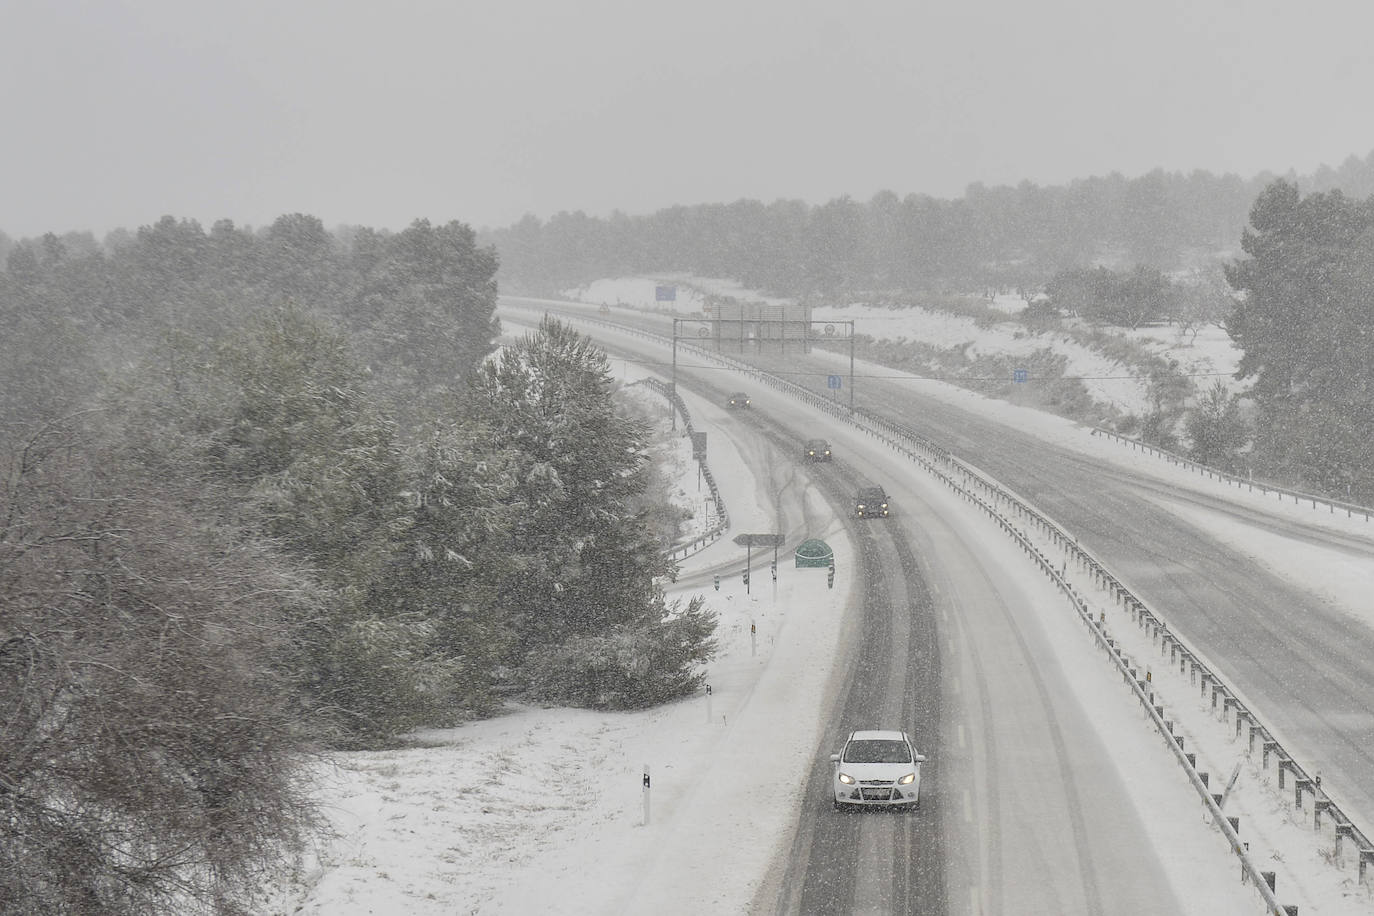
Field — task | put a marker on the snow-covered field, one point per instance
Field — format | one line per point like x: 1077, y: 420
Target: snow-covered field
x: 542, y: 810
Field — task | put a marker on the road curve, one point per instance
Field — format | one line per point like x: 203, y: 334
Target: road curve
x: 944, y: 649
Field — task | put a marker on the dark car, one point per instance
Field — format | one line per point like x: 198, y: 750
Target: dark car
x: 738, y: 401
x: 871, y: 503
x: 816, y: 450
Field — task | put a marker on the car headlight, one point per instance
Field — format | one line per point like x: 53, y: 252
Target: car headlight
x: 847, y: 779
x: 907, y: 780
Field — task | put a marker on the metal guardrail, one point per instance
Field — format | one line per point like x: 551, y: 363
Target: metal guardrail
x: 1351, y: 509
x: 945, y: 466
x: 682, y: 550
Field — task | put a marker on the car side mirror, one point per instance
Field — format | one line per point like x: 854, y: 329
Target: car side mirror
x: 920, y: 758
x: 834, y: 758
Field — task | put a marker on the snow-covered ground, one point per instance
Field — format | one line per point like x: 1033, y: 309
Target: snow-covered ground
x: 542, y: 810
x: 1207, y: 355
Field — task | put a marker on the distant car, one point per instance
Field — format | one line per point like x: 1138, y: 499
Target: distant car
x: 817, y: 450
x: 739, y: 400
x: 871, y: 503
x: 878, y: 768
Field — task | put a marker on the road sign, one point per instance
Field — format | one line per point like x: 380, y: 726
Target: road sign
x: 665, y: 293
x: 760, y: 540
x: 1020, y: 375
x: 833, y: 381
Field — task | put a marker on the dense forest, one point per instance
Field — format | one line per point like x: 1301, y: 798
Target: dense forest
x: 271, y: 492
x: 846, y: 250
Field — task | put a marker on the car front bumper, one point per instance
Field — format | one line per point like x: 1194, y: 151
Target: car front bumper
x: 878, y: 794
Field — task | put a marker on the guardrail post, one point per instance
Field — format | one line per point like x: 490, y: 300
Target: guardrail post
x: 1342, y: 831
x: 1299, y: 785
x: 1264, y: 760
x: 1318, y: 806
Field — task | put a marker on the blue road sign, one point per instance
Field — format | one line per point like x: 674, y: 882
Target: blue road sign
x: 665, y: 293
x: 832, y: 381
x: 1020, y: 375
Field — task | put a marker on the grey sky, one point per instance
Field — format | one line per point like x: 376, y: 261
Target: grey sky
x: 121, y: 111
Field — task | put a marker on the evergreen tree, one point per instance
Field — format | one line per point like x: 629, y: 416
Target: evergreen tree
x: 1305, y: 326
x: 594, y: 565
x: 1216, y: 431
x: 587, y: 563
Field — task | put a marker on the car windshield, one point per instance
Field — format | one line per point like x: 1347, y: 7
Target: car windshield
x: 877, y: 751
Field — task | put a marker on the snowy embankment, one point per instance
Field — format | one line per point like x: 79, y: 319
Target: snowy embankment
x: 508, y: 815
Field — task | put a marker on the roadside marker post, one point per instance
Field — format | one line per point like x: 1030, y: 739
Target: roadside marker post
x: 646, y: 795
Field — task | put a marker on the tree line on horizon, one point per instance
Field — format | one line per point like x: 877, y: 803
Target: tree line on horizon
x: 992, y: 237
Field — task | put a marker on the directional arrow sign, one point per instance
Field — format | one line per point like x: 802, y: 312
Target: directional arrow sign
x: 760, y: 540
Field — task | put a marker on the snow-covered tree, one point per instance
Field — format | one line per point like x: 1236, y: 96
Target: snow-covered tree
x: 150, y: 745
x: 588, y: 565
x: 1216, y: 430
x: 1305, y: 324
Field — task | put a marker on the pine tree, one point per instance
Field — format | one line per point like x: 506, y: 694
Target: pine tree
x: 1216, y: 430
x: 589, y: 570
x: 1305, y: 325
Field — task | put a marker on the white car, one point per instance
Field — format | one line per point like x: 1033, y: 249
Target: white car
x: 877, y: 768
